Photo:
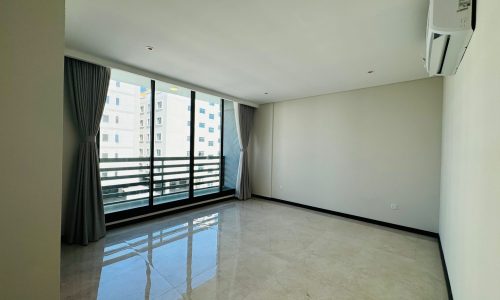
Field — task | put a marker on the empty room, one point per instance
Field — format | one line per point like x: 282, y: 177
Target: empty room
x: 229, y: 149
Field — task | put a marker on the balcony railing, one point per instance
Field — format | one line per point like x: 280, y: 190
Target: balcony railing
x: 126, y: 181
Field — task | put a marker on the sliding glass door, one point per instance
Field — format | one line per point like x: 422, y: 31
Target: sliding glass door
x: 160, y: 146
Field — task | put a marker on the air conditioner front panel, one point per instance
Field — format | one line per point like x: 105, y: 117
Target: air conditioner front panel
x: 458, y: 44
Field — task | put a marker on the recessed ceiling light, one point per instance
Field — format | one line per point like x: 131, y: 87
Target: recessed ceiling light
x: 173, y: 89
x: 149, y: 48
x: 370, y: 72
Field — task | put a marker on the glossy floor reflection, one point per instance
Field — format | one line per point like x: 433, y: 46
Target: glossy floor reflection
x: 254, y: 250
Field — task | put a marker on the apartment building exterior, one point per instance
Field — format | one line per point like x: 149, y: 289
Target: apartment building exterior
x: 126, y: 123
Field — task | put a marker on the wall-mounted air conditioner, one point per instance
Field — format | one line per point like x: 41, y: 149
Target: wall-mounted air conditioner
x: 450, y: 25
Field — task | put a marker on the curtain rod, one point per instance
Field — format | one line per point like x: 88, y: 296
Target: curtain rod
x: 124, y: 67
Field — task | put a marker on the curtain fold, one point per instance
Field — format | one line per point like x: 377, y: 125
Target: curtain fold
x: 244, y: 122
x: 87, y: 87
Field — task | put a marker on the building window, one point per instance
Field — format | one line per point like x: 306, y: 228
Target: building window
x: 120, y: 134
x: 104, y: 174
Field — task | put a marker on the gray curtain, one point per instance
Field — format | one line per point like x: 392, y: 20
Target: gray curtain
x: 244, y: 124
x: 87, y: 87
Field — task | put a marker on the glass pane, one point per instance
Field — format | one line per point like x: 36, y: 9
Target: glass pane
x: 231, y: 146
x: 171, y: 143
x: 207, y: 144
x: 124, y: 155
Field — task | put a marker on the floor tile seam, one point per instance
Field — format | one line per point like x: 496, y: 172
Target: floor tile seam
x: 146, y: 260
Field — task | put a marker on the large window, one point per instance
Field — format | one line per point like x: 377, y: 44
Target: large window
x: 124, y: 163
x: 150, y: 159
x: 172, y: 169
x: 207, y: 154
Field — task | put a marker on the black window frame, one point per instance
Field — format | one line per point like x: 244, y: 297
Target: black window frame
x: 118, y: 216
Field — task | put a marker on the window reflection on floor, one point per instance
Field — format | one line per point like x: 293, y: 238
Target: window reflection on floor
x: 183, y: 254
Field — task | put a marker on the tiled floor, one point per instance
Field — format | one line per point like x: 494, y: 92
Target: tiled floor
x: 254, y: 250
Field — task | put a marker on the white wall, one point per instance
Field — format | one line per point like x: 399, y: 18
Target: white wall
x: 355, y: 152
x: 260, y: 149
x: 470, y: 192
x: 31, y: 85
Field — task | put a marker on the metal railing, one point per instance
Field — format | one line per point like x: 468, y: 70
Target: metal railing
x: 125, y: 180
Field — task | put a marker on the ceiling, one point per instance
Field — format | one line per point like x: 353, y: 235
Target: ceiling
x: 286, y: 48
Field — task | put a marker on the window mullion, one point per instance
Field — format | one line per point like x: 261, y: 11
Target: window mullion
x: 191, y: 145
x: 151, y: 144
x: 221, y: 155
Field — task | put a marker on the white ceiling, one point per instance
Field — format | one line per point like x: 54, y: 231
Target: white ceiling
x: 288, y: 48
